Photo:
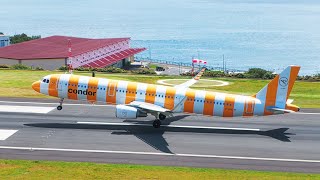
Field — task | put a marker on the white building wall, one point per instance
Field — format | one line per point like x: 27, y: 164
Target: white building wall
x: 8, y: 61
x: 48, y: 64
x: 4, y: 41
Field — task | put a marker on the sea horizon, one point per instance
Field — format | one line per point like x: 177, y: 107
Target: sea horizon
x: 265, y: 34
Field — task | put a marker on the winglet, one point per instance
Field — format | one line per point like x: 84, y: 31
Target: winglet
x: 192, y: 81
x: 198, y: 76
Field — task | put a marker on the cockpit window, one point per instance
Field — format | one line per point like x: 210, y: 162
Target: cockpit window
x: 45, y: 80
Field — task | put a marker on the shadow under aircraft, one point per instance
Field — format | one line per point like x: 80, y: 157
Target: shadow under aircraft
x: 144, y: 131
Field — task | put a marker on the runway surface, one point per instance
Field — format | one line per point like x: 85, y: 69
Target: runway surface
x: 82, y: 132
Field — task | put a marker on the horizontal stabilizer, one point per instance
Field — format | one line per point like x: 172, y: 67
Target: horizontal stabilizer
x: 281, y: 110
x: 290, y: 101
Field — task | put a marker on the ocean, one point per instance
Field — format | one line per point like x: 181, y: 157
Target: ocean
x: 269, y: 34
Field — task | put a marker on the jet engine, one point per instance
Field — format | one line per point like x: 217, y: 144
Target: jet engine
x: 128, y: 112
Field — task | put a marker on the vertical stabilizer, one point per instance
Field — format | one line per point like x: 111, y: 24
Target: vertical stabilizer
x: 276, y: 93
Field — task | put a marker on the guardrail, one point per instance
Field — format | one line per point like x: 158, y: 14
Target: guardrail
x: 176, y: 63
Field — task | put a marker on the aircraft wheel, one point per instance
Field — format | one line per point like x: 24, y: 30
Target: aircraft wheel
x: 59, y: 108
x: 156, y: 123
x: 162, y: 117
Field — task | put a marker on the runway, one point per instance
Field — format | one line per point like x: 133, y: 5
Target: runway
x: 82, y: 132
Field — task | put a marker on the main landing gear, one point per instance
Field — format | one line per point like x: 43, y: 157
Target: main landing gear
x: 157, y: 123
x: 60, y: 106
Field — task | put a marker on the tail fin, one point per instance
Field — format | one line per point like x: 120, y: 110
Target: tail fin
x: 276, y: 93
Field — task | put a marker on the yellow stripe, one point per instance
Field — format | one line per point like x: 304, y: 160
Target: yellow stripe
x: 208, y: 104
x: 188, y: 105
x: 53, y: 90
x: 131, y: 92
x: 111, y: 92
x: 92, y: 87
x: 271, y: 94
x: 169, y: 98
x: 151, y: 91
x: 228, y: 106
x: 73, y: 85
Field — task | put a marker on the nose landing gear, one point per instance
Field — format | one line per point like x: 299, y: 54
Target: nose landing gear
x: 60, y: 106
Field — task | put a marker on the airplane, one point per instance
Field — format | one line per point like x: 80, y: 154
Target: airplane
x: 134, y: 100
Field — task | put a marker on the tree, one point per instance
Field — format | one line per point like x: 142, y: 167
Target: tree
x: 256, y: 73
x: 18, y: 38
x: 1, y: 33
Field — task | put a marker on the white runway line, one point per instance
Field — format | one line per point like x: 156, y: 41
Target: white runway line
x: 6, y: 133
x: 305, y: 113
x: 26, y: 109
x: 161, y: 154
x: 56, y: 104
x: 196, y: 127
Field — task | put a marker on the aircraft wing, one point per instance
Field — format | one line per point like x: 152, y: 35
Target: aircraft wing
x: 191, y: 81
x: 149, y: 107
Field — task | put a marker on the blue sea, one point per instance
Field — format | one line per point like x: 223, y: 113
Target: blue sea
x: 270, y: 34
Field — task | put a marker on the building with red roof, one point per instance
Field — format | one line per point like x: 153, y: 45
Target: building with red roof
x: 53, y: 52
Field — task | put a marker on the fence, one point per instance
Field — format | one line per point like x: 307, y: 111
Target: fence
x: 176, y: 63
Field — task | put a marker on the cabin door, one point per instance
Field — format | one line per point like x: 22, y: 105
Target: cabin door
x: 249, y: 106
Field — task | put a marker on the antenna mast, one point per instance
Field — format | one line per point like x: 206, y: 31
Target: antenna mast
x: 69, y: 62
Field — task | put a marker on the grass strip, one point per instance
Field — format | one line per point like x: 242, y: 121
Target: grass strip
x: 27, y: 169
x: 17, y: 83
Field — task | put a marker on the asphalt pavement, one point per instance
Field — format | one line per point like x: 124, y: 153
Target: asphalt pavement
x: 83, y: 132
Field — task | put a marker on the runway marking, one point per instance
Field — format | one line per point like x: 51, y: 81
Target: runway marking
x: 6, y: 133
x: 161, y: 154
x: 64, y: 104
x: 25, y: 109
x: 305, y: 113
x: 102, y: 105
x: 196, y: 127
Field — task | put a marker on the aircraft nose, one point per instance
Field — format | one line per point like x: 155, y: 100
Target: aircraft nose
x: 36, y: 86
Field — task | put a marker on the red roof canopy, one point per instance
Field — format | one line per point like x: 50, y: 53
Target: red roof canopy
x: 109, y: 60
x: 54, y: 47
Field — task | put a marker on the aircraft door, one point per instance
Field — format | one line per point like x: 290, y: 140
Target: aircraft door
x: 112, y: 89
x: 249, y: 107
x: 59, y: 85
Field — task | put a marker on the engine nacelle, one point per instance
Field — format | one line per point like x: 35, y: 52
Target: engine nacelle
x: 128, y: 112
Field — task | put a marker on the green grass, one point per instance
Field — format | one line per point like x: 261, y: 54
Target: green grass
x: 153, y: 66
x: 203, y: 83
x: 17, y: 83
x: 23, y: 169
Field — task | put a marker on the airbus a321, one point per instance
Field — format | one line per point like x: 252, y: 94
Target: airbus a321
x: 134, y: 100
